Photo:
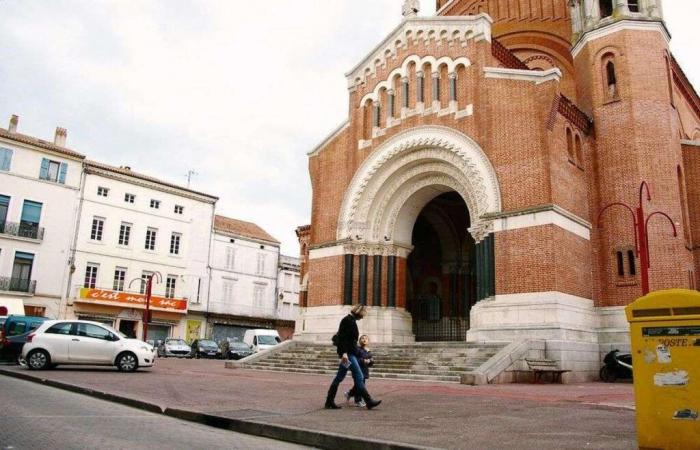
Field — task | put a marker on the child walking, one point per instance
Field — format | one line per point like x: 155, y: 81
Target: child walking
x: 364, y: 357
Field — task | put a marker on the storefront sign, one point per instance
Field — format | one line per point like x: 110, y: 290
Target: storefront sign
x: 134, y: 300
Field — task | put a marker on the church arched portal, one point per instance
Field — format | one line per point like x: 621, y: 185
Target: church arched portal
x: 441, y: 270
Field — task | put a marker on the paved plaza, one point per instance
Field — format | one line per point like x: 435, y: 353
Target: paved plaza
x: 417, y: 414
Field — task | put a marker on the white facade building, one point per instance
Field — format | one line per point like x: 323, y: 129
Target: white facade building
x: 132, y: 226
x: 39, y: 190
x: 244, y: 263
x: 288, y: 284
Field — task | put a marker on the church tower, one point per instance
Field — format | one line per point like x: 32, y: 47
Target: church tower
x: 623, y: 80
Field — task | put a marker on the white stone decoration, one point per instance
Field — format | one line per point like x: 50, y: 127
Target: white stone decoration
x: 534, y: 76
x: 410, y: 8
x: 402, y: 175
x: 402, y: 72
x: 444, y: 29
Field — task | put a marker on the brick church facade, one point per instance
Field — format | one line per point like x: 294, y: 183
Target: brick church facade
x: 461, y: 198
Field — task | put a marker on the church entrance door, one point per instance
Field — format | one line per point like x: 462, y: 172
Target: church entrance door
x: 441, y: 275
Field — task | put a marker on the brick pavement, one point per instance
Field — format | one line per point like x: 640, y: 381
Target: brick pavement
x: 594, y: 415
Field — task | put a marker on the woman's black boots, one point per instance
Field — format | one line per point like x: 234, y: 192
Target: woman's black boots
x: 368, y: 399
x: 330, y: 398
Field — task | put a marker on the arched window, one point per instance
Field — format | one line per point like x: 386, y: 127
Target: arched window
x: 611, y: 77
x: 606, y: 8
x: 620, y: 264
x: 633, y: 6
x: 570, y: 144
x: 632, y: 262
x: 436, y: 86
x: 377, y: 122
x: 579, y: 151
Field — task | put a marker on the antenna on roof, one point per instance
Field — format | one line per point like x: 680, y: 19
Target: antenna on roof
x: 189, y: 176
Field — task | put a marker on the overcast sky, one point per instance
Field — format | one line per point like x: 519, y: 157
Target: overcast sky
x: 238, y: 91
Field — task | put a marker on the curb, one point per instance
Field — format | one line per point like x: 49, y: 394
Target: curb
x: 318, y: 439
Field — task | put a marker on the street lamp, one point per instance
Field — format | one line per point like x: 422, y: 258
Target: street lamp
x: 149, y: 289
x: 640, y: 227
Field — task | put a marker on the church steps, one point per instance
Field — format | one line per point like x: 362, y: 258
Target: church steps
x: 421, y: 361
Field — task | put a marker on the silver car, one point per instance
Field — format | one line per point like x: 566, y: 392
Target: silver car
x: 174, y: 347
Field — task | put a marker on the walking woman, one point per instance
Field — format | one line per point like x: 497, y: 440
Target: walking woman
x: 348, y: 354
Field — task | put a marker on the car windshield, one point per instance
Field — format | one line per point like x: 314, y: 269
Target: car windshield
x: 176, y: 342
x: 204, y: 343
x: 267, y: 340
x: 240, y: 346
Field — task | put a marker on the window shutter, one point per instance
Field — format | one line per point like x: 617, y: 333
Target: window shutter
x: 62, y: 173
x: 44, y: 172
x: 5, y: 158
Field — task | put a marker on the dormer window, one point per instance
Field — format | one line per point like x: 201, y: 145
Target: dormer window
x: 606, y: 8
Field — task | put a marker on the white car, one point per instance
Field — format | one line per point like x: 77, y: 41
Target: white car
x: 83, y: 342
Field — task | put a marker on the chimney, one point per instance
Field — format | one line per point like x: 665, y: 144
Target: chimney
x: 60, y: 137
x: 14, y: 120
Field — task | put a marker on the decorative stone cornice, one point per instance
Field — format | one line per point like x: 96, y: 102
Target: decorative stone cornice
x: 615, y: 26
x: 534, y: 76
x: 448, y: 29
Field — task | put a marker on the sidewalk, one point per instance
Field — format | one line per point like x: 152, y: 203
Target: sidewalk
x: 593, y: 415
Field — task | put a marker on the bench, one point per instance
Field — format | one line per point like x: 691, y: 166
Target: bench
x: 545, y: 366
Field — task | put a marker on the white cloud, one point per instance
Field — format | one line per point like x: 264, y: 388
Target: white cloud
x: 237, y: 90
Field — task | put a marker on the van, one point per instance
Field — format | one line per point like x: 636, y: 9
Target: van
x: 14, y: 332
x: 260, y: 339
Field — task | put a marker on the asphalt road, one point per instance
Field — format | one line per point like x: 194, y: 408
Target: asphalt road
x: 33, y: 416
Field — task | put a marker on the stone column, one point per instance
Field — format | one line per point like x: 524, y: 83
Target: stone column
x: 391, y: 281
x: 348, y: 278
x: 377, y: 280
x: 362, y: 288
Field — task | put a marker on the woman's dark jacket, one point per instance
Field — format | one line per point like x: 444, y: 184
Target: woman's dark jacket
x: 347, y: 336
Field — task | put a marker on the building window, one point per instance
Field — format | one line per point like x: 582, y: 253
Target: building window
x: 21, y: 280
x: 179, y: 209
x: 29, y: 222
x: 230, y: 257
x: 145, y: 275
x: 91, y: 275
x: 579, y: 151
x: 610, y: 76
x: 261, y: 264
x: 102, y: 191
x: 98, y: 224
x: 5, y: 159
x: 633, y: 5
x: 175, y: 243
x: 53, y: 171
x: 570, y: 144
x: 119, y: 277
x: 392, y: 104
x: 227, y: 288
x: 155, y: 204
x: 404, y: 92
x: 631, y: 263
x: 377, y: 114
x: 258, y: 295
x: 170, y: 286
x: 124, y: 233
x: 606, y: 8
x: 4, y: 206
x: 620, y: 264
x: 129, y: 198
x: 151, y: 239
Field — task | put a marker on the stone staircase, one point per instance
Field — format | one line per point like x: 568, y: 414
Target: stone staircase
x: 428, y: 361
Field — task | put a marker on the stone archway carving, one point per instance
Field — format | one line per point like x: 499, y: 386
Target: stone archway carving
x: 389, y: 179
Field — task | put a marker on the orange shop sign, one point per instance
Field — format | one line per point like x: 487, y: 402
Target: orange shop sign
x: 134, y: 300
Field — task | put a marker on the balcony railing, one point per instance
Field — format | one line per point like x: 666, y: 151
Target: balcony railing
x: 8, y: 284
x: 23, y: 230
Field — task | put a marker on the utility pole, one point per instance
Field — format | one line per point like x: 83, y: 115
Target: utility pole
x: 189, y: 176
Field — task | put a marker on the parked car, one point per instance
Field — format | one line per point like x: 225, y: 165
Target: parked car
x: 234, y: 349
x: 174, y: 347
x: 86, y: 343
x: 261, y: 339
x: 13, y: 334
x: 205, y: 348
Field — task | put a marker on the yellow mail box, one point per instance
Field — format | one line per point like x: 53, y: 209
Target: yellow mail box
x: 665, y: 335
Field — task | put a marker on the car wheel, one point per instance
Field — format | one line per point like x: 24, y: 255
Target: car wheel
x: 127, y: 362
x: 38, y: 360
